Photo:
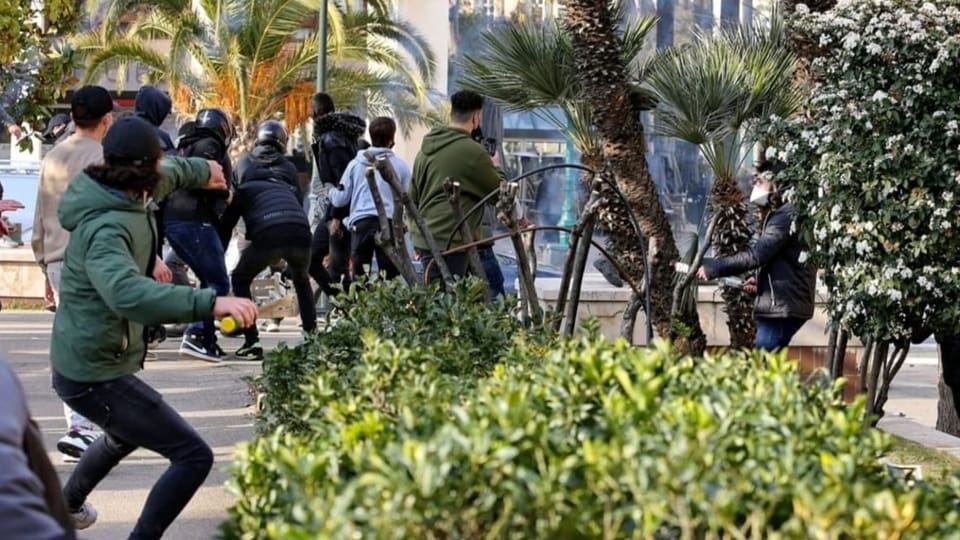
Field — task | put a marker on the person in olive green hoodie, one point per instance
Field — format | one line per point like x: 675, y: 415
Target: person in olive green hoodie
x: 451, y: 152
x: 107, y: 299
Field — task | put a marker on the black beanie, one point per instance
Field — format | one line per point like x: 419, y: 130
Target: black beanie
x: 131, y: 141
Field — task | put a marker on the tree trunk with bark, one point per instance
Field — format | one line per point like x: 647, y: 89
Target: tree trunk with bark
x: 597, y: 51
x: 733, y: 235
x: 948, y: 419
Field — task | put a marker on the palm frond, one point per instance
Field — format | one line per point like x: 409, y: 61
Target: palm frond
x: 117, y: 53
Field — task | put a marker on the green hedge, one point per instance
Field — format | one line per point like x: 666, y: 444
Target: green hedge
x: 537, y: 438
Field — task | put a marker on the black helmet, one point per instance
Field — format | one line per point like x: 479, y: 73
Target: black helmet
x: 272, y: 133
x: 215, y: 121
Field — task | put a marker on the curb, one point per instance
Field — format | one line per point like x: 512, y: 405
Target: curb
x: 909, y: 429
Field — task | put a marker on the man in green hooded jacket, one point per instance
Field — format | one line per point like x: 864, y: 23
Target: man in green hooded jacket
x: 452, y: 152
x: 107, y: 299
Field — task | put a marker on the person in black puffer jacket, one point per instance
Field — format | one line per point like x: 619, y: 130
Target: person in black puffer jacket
x: 191, y: 221
x: 269, y: 199
x: 785, y: 284
x: 336, y: 139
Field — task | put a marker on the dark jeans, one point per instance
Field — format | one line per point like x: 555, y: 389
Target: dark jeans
x: 258, y: 256
x: 199, y: 246
x: 491, y: 267
x: 457, y: 263
x: 775, y: 334
x: 363, y: 246
x: 133, y: 415
x: 339, y: 250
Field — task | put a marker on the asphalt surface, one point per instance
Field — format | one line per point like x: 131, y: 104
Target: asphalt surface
x: 214, y: 398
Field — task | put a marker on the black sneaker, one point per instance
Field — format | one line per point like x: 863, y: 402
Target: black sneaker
x: 195, y: 347
x: 608, y: 271
x: 250, y: 351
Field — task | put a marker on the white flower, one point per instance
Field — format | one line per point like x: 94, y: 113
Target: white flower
x: 879, y: 95
x: 802, y: 258
x: 850, y: 41
x: 873, y: 48
x: 863, y: 247
x: 939, y: 114
x: 908, y: 149
x: 801, y: 9
x: 770, y: 152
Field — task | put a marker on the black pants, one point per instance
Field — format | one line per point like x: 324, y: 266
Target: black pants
x: 260, y: 255
x: 363, y: 246
x: 132, y: 414
x: 457, y: 263
x: 339, y: 250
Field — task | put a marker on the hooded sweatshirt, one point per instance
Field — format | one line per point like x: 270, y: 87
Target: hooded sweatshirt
x: 335, y: 141
x: 106, y: 295
x: 450, y: 152
x: 153, y: 105
x: 62, y: 163
x: 356, y: 193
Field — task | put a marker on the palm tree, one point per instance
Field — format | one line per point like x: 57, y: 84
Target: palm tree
x: 708, y: 94
x: 258, y: 57
x: 531, y: 67
x: 600, y: 76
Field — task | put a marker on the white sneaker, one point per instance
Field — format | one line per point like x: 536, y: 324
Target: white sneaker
x: 84, y: 517
x: 76, y: 441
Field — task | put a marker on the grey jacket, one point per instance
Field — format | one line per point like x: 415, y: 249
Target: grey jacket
x: 26, y: 489
x: 785, y: 286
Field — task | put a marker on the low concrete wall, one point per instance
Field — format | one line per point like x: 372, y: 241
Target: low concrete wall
x: 607, y: 303
x: 20, y: 276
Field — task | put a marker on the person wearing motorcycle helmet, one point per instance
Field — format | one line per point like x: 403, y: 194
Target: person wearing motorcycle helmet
x: 269, y: 199
x: 191, y: 221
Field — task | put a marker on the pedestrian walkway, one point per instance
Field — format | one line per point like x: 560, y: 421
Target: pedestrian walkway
x: 214, y: 398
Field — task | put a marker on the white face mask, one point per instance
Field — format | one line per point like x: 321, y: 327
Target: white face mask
x: 759, y: 196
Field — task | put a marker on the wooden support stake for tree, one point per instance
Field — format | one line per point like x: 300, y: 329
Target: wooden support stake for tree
x: 567, y: 275
x: 694, y: 266
x: 509, y: 191
x: 394, y: 247
x: 389, y: 175
x: 629, y: 322
x: 452, y: 189
x: 589, y: 221
x: 414, y: 212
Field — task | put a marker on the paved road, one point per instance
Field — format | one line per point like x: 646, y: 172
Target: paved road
x: 212, y: 397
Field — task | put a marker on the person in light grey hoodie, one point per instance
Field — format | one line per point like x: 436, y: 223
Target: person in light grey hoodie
x: 363, y: 221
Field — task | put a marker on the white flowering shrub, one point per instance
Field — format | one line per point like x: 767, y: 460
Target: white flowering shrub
x: 873, y: 162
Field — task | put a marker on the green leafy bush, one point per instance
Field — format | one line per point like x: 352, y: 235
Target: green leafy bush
x: 579, y: 439
x: 454, y: 333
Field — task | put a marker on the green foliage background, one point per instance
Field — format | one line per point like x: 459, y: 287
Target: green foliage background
x: 36, y: 69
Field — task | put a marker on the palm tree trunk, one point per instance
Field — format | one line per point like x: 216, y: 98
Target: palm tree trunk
x: 732, y: 236
x: 597, y: 50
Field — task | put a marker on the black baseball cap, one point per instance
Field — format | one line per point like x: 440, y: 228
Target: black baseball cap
x: 131, y: 141
x: 90, y: 103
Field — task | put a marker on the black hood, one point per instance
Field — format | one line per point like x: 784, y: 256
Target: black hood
x: 343, y: 123
x: 266, y: 153
x: 153, y: 105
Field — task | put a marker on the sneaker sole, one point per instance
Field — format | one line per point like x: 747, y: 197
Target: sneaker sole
x: 70, y: 459
x: 200, y: 356
x: 68, y: 449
